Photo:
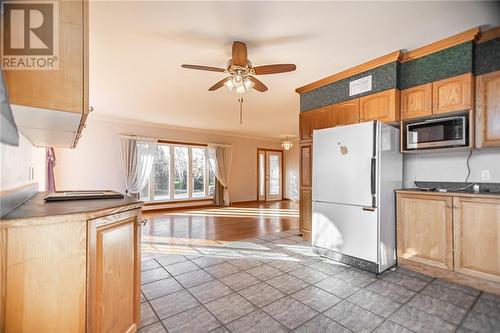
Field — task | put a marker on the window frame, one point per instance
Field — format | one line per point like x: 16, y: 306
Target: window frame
x: 171, y: 175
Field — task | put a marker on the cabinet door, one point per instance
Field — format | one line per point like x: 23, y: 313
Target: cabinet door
x: 383, y: 106
x: 488, y: 110
x: 424, y: 229
x: 114, y: 273
x: 64, y: 89
x: 305, y: 165
x: 306, y: 212
x: 416, y: 102
x: 347, y: 112
x: 477, y: 237
x: 323, y: 118
x: 453, y: 94
x: 305, y: 124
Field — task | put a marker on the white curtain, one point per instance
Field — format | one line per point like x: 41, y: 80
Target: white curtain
x: 137, y: 157
x: 220, y: 157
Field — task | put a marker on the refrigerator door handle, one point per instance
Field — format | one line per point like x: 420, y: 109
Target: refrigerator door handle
x: 372, y: 179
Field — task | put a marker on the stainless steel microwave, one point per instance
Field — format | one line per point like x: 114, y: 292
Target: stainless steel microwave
x: 438, y: 133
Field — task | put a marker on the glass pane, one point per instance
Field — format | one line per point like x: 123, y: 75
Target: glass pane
x: 211, y: 181
x: 161, y: 172
x: 144, y: 195
x: 181, y: 172
x: 274, y: 175
x: 198, y: 167
x: 262, y: 174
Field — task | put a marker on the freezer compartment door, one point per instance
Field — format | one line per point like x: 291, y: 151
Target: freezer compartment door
x: 346, y: 229
x: 343, y: 164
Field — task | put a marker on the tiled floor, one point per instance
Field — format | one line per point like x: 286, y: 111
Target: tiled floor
x: 274, y: 283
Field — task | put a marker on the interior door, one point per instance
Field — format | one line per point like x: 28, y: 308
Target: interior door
x: 269, y: 175
x: 274, y: 175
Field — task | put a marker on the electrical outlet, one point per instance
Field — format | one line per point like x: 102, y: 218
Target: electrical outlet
x: 485, y: 175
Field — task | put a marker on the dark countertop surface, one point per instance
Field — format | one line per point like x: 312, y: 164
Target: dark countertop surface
x: 490, y: 194
x: 37, y: 207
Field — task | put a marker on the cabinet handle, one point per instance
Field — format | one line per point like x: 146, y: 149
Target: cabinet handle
x: 142, y: 223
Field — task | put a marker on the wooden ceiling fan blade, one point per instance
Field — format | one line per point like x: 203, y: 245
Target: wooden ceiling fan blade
x: 240, y: 54
x: 220, y: 83
x: 259, y: 86
x: 204, y: 68
x: 274, y: 69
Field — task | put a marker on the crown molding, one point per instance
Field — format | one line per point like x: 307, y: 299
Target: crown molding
x: 489, y: 35
x: 442, y: 44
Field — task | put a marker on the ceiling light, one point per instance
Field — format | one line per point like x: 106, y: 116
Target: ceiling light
x: 241, y: 89
x: 286, y: 144
x: 229, y: 85
x: 248, y: 84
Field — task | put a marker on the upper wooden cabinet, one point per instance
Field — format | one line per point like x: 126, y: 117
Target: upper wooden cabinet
x: 449, y: 95
x: 424, y: 229
x: 477, y: 237
x: 63, y: 89
x: 416, y: 102
x: 346, y: 112
x: 488, y: 110
x: 51, y: 106
x: 383, y: 106
x: 453, y: 94
x: 306, y: 125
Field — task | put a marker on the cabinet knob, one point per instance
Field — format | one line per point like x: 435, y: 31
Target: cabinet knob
x: 142, y: 223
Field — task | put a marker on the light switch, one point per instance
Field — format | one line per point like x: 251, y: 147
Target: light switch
x: 485, y: 175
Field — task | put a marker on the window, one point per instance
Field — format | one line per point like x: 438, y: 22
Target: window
x: 179, y: 173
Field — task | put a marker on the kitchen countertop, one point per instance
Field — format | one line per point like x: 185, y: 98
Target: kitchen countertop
x: 480, y: 194
x: 37, y: 208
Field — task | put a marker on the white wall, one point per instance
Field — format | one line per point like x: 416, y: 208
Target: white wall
x: 451, y: 166
x: 95, y: 164
x: 21, y: 165
x: 292, y: 172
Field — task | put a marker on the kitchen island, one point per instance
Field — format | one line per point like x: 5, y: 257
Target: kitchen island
x: 70, y: 266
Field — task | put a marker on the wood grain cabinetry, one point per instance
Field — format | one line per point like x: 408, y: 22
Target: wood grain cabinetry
x: 453, y: 94
x: 477, y: 237
x: 306, y: 212
x: 488, y: 110
x: 448, y: 95
x: 383, y: 106
x: 114, y: 273
x: 451, y: 236
x: 416, y: 102
x: 306, y: 165
x: 71, y: 273
x: 59, y: 97
x: 424, y: 229
x: 306, y: 125
x: 346, y: 113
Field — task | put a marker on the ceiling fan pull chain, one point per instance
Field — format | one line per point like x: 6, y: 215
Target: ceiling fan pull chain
x: 240, y: 100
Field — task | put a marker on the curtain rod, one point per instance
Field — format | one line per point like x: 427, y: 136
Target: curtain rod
x: 139, y: 138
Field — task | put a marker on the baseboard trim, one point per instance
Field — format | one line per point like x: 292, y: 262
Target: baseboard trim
x: 452, y: 276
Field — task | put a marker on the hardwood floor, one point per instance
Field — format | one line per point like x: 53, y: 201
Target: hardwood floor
x: 240, y: 221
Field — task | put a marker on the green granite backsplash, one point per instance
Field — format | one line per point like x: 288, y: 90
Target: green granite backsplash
x: 441, y: 65
x: 383, y: 78
x: 487, y: 57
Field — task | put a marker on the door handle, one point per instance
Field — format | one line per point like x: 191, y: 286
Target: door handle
x: 372, y: 176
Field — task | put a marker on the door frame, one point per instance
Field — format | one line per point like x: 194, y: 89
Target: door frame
x: 263, y: 150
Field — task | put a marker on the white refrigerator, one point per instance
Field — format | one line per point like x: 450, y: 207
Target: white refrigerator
x: 356, y: 169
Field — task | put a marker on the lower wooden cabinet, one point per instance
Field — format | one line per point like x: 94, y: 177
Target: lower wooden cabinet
x: 306, y: 212
x: 452, y: 237
x: 114, y: 262
x: 383, y: 106
x: 488, y: 110
x: 71, y: 273
x: 424, y: 229
x: 477, y: 237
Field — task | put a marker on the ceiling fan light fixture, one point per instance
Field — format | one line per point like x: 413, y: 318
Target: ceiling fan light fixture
x: 248, y: 84
x: 241, y: 89
x: 229, y: 84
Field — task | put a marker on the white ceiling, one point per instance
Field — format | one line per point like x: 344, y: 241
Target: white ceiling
x: 136, y: 49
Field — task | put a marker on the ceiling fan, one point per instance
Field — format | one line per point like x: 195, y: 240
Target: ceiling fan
x: 241, y: 72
